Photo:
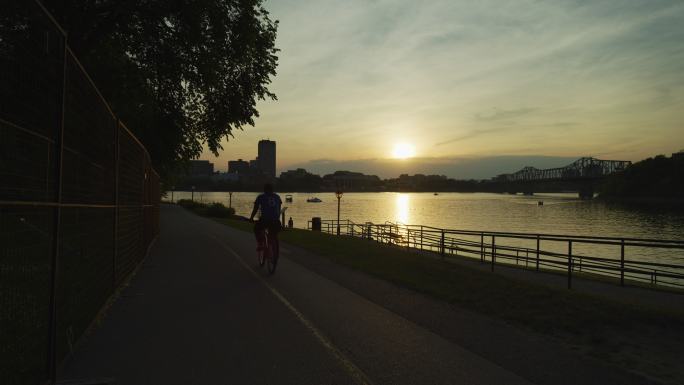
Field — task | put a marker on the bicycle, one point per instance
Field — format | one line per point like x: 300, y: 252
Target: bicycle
x: 269, y: 252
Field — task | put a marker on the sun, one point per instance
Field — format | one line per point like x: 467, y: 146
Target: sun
x: 403, y: 151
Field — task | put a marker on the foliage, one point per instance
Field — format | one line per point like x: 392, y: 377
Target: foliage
x: 216, y: 209
x: 659, y: 177
x: 178, y: 73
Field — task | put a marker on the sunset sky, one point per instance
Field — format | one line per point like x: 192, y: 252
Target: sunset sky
x: 470, y: 82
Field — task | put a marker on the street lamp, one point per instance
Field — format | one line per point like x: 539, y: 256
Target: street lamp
x: 338, y: 194
x: 230, y: 199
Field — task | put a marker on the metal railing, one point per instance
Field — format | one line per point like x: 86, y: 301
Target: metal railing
x: 79, y: 199
x: 625, y: 260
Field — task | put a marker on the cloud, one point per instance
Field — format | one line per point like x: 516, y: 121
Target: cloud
x: 500, y: 114
x: 473, y: 134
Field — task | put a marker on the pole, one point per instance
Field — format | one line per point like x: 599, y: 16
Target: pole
x: 493, y: 250
x: 569, y: 264
x: 622, y: 263
x: 482, y: 247
x: 116, y: 202
x: 408, y: 239
x: 421, y: 237
x: 230, y: 199
x: 339, y: 198
x: 537, y: 252
x: 54, y: 264
x: 441, y: 243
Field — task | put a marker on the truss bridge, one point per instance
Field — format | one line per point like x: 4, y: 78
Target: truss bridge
x: 581, y: 175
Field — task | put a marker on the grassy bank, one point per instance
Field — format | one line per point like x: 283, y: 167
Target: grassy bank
x: 649, y: 341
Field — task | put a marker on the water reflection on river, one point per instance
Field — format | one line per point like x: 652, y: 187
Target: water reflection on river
x: 560, y: 213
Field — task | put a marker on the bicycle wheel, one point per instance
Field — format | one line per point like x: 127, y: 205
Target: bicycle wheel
x: 273, y: 255
x: 261, y: 255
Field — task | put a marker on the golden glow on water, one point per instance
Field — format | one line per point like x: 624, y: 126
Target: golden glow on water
x: 402, y: 207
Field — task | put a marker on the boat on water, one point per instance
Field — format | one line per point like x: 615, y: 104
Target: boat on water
x: 288, y: 198
x: 314, y: 200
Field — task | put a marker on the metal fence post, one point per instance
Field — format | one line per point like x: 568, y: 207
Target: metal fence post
x: 493, y: 251
x: 482, y: 257
x: 421, y: 237
x: 537, y: 253
x: 57, y: 221
x: 569, y: 264
x: 622, y: 262
x: 441, y: 243
x: 116, y: 202
x: 408, y: 239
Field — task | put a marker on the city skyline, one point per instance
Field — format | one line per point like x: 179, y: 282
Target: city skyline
x: 467, y: 82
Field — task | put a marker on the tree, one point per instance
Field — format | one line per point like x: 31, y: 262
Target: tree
x: 179, y: 74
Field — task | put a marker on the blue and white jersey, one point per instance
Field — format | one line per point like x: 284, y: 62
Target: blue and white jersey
x: 269, y: 203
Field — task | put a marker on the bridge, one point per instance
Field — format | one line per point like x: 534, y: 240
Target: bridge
x: 581, y: 174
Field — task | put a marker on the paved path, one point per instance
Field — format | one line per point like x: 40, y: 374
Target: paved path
x: 200, y: 312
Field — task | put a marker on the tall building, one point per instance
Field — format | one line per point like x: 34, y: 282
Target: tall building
x: 267, y: 157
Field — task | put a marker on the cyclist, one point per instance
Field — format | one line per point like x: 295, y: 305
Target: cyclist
x: 269, y: 203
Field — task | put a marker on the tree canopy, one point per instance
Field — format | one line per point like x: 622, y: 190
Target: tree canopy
x: 657, y: 177
x: 179, y: 74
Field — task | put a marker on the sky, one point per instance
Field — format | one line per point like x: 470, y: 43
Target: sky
x: 475, y: 88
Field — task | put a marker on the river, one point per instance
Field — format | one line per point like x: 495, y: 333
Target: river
x: 559, y: 214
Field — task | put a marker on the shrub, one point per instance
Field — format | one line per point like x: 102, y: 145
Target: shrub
x: 187, y: 203
x: 218, y: 210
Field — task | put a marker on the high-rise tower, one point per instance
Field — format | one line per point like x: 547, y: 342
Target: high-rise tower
x: 267, y: 157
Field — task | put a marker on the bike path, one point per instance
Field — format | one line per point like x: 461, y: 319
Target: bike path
x: 200, y: 311
x: 194, y: 315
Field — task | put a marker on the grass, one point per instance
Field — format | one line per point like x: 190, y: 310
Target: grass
x: 645, y: 340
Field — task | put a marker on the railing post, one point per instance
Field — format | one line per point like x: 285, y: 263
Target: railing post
x: 579, y: 267
x: 493, y: 251
x: 408, y: 239
x: 622, y: 262
x: 441, y: 243
x: 569, y: 264
x: 421, y: 237
x: 537, y: 253
x: 482, y: 247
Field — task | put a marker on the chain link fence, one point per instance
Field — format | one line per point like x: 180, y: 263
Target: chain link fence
x: 79, y: 200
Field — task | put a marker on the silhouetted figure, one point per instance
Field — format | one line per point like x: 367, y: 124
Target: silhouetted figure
x: 269, y: 203
x: 290, y: 223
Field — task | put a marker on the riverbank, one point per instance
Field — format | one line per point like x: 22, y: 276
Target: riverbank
x: 646, y: 340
